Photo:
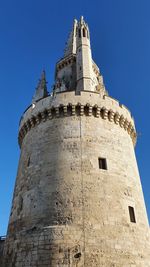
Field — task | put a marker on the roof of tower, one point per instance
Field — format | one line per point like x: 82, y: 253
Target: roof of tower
x: 41, y: 90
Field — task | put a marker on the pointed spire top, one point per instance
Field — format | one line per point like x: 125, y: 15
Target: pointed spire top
x: 71, y: 43
x: 41, y: 90
x: 82, y: 19
x: 43, y: 82
x: 75, y: 21
x: 43, y: 75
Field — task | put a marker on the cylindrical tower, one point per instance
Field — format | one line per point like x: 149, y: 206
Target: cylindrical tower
x: 78, y: 200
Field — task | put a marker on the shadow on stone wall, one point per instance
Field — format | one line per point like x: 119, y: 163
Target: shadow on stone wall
x: 2, y: 241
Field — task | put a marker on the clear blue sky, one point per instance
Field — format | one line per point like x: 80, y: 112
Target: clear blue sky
x: 32, y: 37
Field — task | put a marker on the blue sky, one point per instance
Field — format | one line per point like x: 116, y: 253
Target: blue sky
x: 32, y: 37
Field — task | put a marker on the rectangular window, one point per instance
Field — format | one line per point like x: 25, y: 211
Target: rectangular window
x: 102, y: 163
x: 28, y: 162
x: 132, y: 214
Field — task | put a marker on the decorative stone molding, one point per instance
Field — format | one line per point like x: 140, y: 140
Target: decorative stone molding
x: 116, y: 118
x: 78, y: 110
x: 65, y: 62
x: 111, y: 115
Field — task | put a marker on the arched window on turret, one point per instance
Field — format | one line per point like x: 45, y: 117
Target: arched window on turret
x: 84, y: 32
x: 79, y: 32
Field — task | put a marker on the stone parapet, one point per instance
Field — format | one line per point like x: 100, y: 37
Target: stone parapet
x: 86, y: 104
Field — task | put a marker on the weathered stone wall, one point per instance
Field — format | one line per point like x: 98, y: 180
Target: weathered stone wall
x: 66, y: 211
x: 1, y: 250
x: 66, y: 74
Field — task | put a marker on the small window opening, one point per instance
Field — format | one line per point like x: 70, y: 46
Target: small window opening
x: 28, y: 162
x: 84, y: 33
x: 79, y: 32
x: 132, y: 214
x: 102, y: 163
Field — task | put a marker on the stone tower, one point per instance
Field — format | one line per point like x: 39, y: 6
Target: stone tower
x: 78, y: 200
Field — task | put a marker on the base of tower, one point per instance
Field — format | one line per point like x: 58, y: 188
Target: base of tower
x: 66, y: 246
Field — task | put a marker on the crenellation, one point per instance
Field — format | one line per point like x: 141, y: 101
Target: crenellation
x: 81, y: 110
x: 94, y: 99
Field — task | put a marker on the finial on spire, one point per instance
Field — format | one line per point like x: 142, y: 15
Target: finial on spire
x: 41, y: 90
x: 75, y: 21
x: 43, y: 75
x: 71, y: 42
x: 82, y: 19
x: 42, y: 82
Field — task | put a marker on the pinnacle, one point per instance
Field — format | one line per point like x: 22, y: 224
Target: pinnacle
x: 81, y: 19
x: 43, y: 75
x: 42, y: 82
x: 41, y: 90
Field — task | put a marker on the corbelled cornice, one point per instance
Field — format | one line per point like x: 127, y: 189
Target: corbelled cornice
x: 77, y: 110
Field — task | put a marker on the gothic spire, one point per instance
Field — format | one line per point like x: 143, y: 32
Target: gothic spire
x: 71, y: 43
x: 77, y: 70
x: 41, y: 90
